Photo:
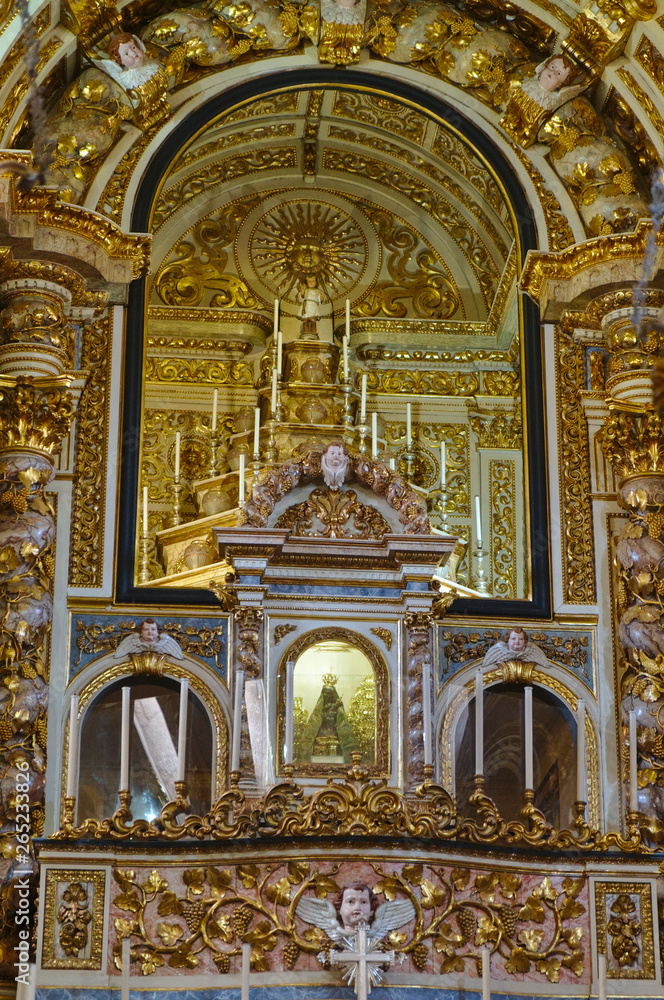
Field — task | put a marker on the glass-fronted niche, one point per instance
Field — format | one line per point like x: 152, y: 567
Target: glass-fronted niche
x: 429, y: 270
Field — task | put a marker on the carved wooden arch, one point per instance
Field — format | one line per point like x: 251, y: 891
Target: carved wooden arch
x: 382, y: 682
x: 537, y: 677
x: 90, y: 689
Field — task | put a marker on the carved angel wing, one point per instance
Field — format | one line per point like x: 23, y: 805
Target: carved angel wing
x: 321, y: 913
x: 389, y: 916
x: 497, y: 653
x: 534, y: 654
x: 167, y: 644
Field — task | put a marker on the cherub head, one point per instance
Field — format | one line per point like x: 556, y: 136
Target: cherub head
x: 334, y: 464
x: 355, y: 902
x: 149, y: 632
x: 557, y: 72
x: 311, y: 281
x: 126, y: 51
x: 516, y: 640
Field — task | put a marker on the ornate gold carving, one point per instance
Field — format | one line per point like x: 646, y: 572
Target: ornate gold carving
x: 456, y: 154
x: 333, y: 514
x: 276, y: 105
x: 503, y: 528
x: 624, y: 919
x: 362, y: 717
x: 20, y: 88
x: 257, y: 133
x: 112, y: 198
x: 557, y: 227
x: 498, y: 430
x: 205, y: 316
x: 633, y: 442
x: 32, y: 271
x: 629, y: 128
x: 74, y: 904
x: 281, y: 631
x: 97, y: 639
x: 249, y: 627
x: 384, y: 634
x: 437, y: 328
x: 523, y: 118
x: 501, y: 383
x: 469, y: 242
x: 35, y: 416
x: 381, y: 112
x: 423, y: 383
x: 575, y: 509
x: 191, y: 371
x: 225, y: 593
x: 652, y: 61
x: 39, y: 24
x: 214, y: 174
x: 418, y: 626
x: 89, y: 500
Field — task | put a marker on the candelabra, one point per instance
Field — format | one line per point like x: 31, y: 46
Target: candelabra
x: 143, y: 551
x: 440, y: 505
x: 255, y: 468
x: 347, y: 418
x: 271, y: 453
x: 409, y: 457
x: 481, y: 585
x: 215, y: 440
x: 362, y: 432
x: 176, y: 517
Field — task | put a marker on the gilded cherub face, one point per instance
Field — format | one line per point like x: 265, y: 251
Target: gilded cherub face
x: 130, y: 54
x: 554, y: 75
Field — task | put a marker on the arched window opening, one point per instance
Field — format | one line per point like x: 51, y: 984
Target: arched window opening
x: 554, y: 753
x: 153, y: 742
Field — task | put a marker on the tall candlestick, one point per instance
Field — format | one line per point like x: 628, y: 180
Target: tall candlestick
x: 240, y: 482
x: 478, y: 519
x: 633, y: 787
x: 257, y: 430
x: 275, y: 322
x: 346, y: 369
x: 237, y: 720
x: 124, y: 739
x: 273, y: 402
x: 363, y: 399
x: 486, y: 965
x: 601, y: 977
x: 443, y: 466
x: 182, y: 728
x: 348, y: 317
x: 177, y: 456
x: 409, y: 427
x: 374, y: 435
x: 426, y: 712
x: 529, y: 736
x: 288, y: 728
x: 280, y: 350
x: 479, y: 722
x: 581, y: 775
x: 215, y: 404
x: 72, y: 759
x: 145, y: 512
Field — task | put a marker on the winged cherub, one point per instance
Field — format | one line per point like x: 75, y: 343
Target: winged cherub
x: 148, y: 639
x: 355, y: 902
x: 517, y: 647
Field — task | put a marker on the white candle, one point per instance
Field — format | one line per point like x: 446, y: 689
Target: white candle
x: 124, y: 739
x: 288, y: 728
x: 443, y: 466
x: 346, y: 369
x: 633, y: 787
x: 409, y: 426
x: 145, y: 512
x: 257, y: 430
x: 177, y: 456
x: 374, y: 435
x: 182, y: 729
x: 529, y: 736
x: 479, y: 722
x: 72, y: 759
x: 273, y: 402
x: 581, y: 775
x: 348, y: 317
x: 392, y: 465
x: 246, y: 967
x: 601, y: 977
x: 486, y: 962
x: 215, y: 404
x: 126, y: 963
x: 275, y: 323
x: 240, y: 482
x: 363, y: 399
x: 237, y: 720
x: 478, y: 520
x: 426, y: 712
x: 280, y: 349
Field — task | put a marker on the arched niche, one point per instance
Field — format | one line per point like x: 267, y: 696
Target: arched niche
x: 554, y: 744
x: 100, y: 683
x: 334, y: 717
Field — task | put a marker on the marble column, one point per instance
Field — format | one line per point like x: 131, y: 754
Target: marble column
x: 419, y: 626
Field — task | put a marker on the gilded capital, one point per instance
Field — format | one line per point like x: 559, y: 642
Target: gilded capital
x: 34, y: 416
x: 633, y: 443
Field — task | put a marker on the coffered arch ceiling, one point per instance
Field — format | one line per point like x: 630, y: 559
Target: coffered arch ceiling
x: 387, y: 206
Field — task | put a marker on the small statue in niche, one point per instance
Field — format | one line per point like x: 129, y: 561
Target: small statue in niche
x: 148, y: 639
x: 334, y: 463
x: 311, y: 302
x: 515, y: 646
x: 328, y: 732
x: 538, y: 97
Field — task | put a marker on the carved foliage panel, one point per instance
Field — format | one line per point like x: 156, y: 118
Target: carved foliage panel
x: 624, y: 929
x: 193, y: 920
x: 73, y: 919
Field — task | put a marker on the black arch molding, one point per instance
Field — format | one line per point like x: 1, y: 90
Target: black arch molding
x: 539, y: 606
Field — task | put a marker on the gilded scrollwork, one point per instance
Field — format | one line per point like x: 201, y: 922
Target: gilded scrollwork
x: 33, y: 415
x: 503, y: 524
x: 333, y: 514
x: 281, y: 631
x: 376, y: 110
x: 629, y: 128
x: 419, y: 382
x: 498, y: 430
x: 193, y: 371
x: 74, y: 925
x: 249, y: 630
x: 202, y: 641
x: 384, y: 634
x: 558, y: 228
x: 625, y: 933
